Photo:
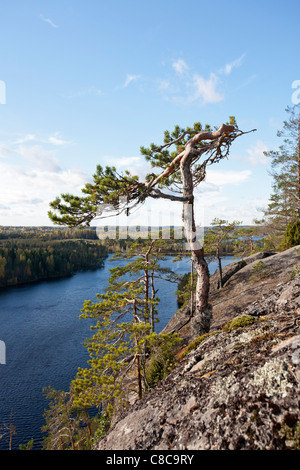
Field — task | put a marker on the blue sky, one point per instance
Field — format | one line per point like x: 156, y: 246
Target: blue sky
x: 88, y: 82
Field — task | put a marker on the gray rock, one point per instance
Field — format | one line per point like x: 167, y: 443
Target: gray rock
x: 238, y: 389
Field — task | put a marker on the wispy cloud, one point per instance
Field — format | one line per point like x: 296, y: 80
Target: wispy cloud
x: 26, y: 138
x: 4, y: 152
x: 54, y: 139
x: 227, y: 69
x: 247, y: 81
x: 190, y: 87
x: 129, y: 79
x: 256, y: 154
x: 135, y: 165
x: 125, y: 161
x: 206, y: 90
x: 180, y: 66
x: 47, y: 20
x: 26, y: 190
x: 40, y: 157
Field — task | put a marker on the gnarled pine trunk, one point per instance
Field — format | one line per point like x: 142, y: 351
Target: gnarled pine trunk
x: 201, y: 313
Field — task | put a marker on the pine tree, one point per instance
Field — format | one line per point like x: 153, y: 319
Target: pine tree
x: 67, y: 426
x: 291, y: 236
x: 284, y: 205
x: 114, y: 343
x: 124, y: 329
x: 179, y: 165
x: 220, y: 232
x: 245, y: 243
x: 143, y: 268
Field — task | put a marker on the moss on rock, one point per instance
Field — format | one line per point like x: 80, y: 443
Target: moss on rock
x: 239, y: 322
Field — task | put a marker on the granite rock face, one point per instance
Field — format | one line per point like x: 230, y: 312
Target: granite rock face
x: 238, y: 388
x: 241, y: 288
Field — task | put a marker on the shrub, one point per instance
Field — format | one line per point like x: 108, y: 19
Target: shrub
x: 162, y: 359
x: 259, y: 271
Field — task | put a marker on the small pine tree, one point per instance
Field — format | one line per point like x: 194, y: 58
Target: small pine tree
x: 67, y: 427
x: 217, y: 236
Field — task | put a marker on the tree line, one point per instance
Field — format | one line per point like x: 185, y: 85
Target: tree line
x: 46, y: 233
x: 29, y: 254
x: 19, y: 265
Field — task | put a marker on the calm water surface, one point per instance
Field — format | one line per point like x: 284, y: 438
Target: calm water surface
x: 44, y: 337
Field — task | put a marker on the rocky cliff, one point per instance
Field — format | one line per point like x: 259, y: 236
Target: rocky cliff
x: 237, y: 387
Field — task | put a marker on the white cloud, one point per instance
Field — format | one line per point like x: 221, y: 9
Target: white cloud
x: 56, y: 139
x: 40, y: 157
x: 135, y: 165
x: 189, y: 87
x: 47, y: 20
x: 195, y: 90
x: 25, y: 193
x: 164, y: 85
x: 125, y: 161
x: 247, y: 82
x: 4, y: 152
x: 222, y: 205
x: 129, y: 79
x: 236, y: 63
x: 256, y: 154
x: 180, y: 66
x: 26, y: 138
x: 206, y: 89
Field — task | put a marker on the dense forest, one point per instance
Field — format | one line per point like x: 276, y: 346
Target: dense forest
x: 30, y: 254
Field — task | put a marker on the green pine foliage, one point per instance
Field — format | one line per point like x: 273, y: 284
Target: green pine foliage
x: 284, y: 203
x: 162, y: 358
x: 291, y: 236
x: 116, y: 339
x: 220, y: 232
x: 113, y: 192
x: 260, y: 271
x: 126, y: 356
x: 66, y: 426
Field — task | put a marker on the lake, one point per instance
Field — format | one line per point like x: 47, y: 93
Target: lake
x: 43, y: 335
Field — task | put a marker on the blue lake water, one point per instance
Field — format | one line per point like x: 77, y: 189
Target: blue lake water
x: 44, y: 336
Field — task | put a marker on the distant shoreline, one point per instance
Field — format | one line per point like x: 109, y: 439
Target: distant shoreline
x: 52, y: 278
